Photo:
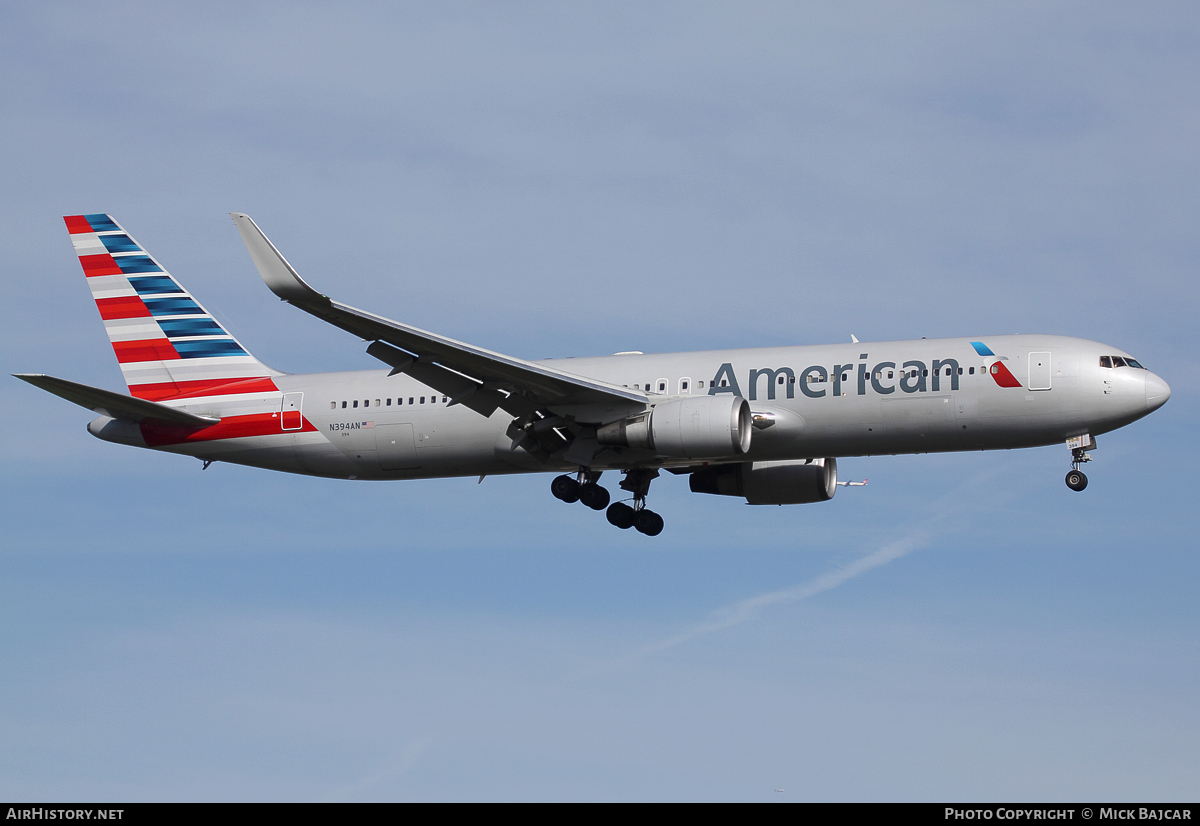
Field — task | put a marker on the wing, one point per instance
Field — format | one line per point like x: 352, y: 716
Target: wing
x: 472, y: 376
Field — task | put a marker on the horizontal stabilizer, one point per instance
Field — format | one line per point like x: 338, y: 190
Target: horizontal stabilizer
x: 114, y: 405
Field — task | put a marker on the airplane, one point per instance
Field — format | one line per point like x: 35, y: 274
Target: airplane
x: 765, y: 424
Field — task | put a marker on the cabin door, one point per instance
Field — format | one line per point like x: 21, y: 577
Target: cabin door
x: 290, y: 416
x: 1039, y: 371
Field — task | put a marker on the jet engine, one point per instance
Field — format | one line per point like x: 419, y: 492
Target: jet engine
x: 696, y: 428
x: 771, y: 483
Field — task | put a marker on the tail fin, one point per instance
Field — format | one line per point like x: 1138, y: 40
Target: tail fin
x: 167, y: 344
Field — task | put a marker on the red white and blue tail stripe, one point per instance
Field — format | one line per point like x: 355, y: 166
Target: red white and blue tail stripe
x: 168, y: 345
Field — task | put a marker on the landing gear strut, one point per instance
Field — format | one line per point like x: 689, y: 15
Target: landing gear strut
x: 637, y: 481
x: 1080, y: 445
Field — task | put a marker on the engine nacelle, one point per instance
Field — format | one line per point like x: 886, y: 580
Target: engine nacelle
x: 771, y: 483
x: 696, y: 428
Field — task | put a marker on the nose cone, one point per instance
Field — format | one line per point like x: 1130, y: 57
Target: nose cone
x: 1157, y: 392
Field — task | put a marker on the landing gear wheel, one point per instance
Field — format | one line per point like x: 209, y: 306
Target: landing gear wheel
x: 594, y: 496
x: 621, y: 515
x: 648, y: 522
x: 565, y: 488
x: 1076, y: 481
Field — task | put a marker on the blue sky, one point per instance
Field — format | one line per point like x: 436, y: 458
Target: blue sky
x: 549, y: 180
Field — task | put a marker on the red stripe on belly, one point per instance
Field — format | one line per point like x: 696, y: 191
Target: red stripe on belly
x: 231, y: 427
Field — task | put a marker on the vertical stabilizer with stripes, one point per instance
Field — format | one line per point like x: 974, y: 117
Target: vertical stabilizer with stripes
x: 168, y: 345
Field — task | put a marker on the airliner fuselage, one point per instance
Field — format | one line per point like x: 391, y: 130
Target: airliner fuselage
x: 760, y: 423
x: 808, y: 402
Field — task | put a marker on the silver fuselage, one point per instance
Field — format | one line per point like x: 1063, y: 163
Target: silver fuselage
x: 876, y: 398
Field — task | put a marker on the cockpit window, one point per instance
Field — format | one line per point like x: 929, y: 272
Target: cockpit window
x: 1120, y: 361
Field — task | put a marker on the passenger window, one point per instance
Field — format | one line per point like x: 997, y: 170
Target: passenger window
x: 1105, y: 361
x: 443, y: 399
x: 972, y: 371
x: 683, y: 385
x: 389, y: 402
x: 333, y: 405
x: 343, y: 405
x: 889, y: 374
x: 422, y: 400
x: 662, y: 387
x: 960, y: 371
x: 923, y: 373
x: 410, y: 399
x: 356, y: 403
x: 377, y: 402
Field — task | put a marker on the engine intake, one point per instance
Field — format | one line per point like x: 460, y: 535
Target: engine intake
x: 771, y: 483
x: 702, y: 427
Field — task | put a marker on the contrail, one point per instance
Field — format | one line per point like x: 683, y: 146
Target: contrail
x: 747, y: 609
x: 739, y: 612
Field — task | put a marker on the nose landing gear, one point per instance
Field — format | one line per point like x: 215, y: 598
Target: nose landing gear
x: 1080, y: 445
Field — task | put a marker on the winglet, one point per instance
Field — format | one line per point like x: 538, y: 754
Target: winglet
x: 278, y: 274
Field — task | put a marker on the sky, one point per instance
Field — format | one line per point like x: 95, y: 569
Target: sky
x: 547, y: 179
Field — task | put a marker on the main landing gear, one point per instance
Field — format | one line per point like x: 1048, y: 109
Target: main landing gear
x: 1080, y: 445
x: 583, y: 488
x: 637, y: 481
